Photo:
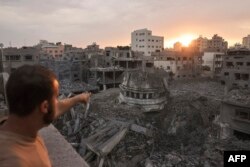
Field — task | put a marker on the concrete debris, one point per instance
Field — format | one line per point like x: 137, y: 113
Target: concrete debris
x: 67, y: 87
x: 87, y: 109
x: 200, y: 106
x: 141, y: 130
x: 3, y: 107
x: 106, y: 138
x: 149, y: 163
x: 202, y: 87
x: 241, y: 95
x: 103, y: 141
x: 186, y: 133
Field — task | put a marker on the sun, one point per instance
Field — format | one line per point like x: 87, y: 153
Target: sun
x: 185, y: 40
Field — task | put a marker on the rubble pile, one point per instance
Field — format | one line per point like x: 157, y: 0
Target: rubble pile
x: 241, y: 95
x: 66, y: 87
x: 3, y: 106
x: 92, y: 136
x: 183, y: 134
x: 203, y: 87
x: 106, y: 104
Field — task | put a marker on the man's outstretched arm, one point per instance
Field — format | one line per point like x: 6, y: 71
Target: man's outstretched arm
x: 65, y: 104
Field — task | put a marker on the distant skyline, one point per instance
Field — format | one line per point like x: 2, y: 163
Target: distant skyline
x: 110, y: 22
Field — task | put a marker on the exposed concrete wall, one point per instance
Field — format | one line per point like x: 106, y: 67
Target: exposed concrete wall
x: 229, y: 116
x: 236, y: 69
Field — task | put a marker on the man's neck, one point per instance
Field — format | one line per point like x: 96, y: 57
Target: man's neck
x: 22, y: 126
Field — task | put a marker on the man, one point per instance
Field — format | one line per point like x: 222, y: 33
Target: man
x: 32, y: 93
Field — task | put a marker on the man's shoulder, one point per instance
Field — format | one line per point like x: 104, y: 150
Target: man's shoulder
x: 13, y: 160
x: 41, y: 142
x: 10, y: 157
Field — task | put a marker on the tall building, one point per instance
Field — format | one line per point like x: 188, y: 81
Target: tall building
x: 51, y: 49
x: 143, y: 41
x: 200, y: 44
x: 246, y: 41
x: 217, y: 43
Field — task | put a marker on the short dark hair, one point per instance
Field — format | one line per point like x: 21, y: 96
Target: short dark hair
x: 27, y: 87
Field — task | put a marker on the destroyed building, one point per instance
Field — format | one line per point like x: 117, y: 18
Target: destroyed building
x: 145, y: 89
x: 54, y: 50
x: 16, y: 57
x: 212, y: 64
x: 112, y: 53
x: 109, y: 77
x: 106, y: 70
x: 184, y: 64
x: 236, y: 68
x: 120, y: 133
x: 136, y: 61
x: 93, y: 49
x: 235, y: 113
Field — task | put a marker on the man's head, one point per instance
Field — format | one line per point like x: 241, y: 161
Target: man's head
x: 32, y: 88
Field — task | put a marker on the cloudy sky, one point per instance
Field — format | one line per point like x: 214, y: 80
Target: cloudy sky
x: 110, y: 22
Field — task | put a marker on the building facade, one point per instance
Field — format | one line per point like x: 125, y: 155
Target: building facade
x: 246, y: 41
x: 235, y: 114
x: 200, y: 44
x: 236, y: 68
x: 92, y: 50
x: 16, y: 57
x: 51, y: 49
x: 143, y: 41
x: 179, y: 64
x: 212, y: 63
x: 216, y: 44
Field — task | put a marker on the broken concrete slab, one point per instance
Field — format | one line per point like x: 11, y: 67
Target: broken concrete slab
x: 105, y: 140
x: 142, y: 130
x: 148, y: 163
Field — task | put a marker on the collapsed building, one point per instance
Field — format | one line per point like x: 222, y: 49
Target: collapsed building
x: 69, y: 69
x: 117, y: 133
x: 146, y: 89
x: 235, y: 114
x: 105, y: 77
x: 107, y: 70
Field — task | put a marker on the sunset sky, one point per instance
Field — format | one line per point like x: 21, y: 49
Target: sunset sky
x: 110, y: 22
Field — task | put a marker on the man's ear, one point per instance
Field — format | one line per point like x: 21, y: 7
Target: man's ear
x: 44, y: 106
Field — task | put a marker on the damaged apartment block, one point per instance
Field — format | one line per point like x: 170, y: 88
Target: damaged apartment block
x: 236, y: 68
x: 235, y: 106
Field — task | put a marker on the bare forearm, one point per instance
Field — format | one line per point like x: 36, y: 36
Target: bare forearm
x: 66, y: 104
